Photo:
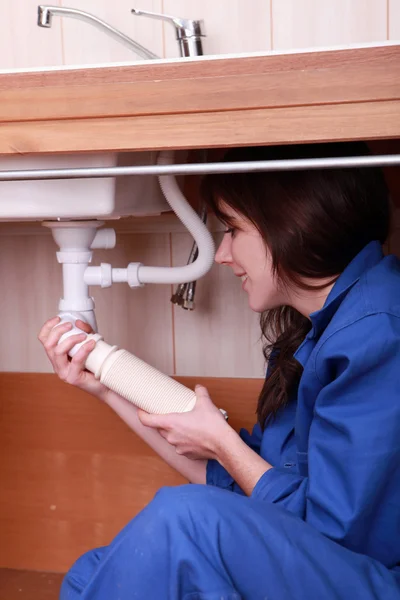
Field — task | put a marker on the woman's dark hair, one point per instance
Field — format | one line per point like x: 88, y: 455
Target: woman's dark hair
x: 313, y: 222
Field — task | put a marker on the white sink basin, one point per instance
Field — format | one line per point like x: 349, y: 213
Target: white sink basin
x: 107, y: 198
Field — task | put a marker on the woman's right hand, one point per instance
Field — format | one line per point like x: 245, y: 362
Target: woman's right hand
x: 71, y: 370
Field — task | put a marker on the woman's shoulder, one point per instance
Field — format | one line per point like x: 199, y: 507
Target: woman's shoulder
x: 366, y: 327
x: 380, y: 286
x: 374, y: 298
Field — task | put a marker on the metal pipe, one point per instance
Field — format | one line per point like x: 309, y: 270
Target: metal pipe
x: 181, y: 291
x: 346, y: 162
x: 46, y: 13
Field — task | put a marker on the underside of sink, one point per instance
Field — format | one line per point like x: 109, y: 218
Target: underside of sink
x: 103, y: 198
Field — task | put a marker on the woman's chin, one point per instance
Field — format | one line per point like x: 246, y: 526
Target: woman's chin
x: 260, y: 305
x: 255, y: 306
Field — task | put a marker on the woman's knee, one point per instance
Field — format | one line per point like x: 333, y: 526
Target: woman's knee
x: 191, y: 509
x: 185, y: 499
x: 77, y: 578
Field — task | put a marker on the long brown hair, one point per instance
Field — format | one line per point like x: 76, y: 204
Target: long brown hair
x: 313, y: 222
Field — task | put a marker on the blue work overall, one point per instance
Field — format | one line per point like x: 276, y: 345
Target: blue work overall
x: 324, y: 522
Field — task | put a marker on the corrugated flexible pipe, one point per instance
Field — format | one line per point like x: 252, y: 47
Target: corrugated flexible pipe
x: 131, y: 377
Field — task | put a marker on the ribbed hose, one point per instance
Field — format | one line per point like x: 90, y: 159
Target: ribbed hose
x: 129, y: 376
x: 145, y: 386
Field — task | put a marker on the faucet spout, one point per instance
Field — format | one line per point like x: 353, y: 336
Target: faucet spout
x: 46, y: 13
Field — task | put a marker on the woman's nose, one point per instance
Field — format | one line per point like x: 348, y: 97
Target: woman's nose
x: 223, y: 255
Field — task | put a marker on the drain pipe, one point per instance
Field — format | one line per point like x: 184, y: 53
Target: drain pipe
x: 76, y: 240
x: 120, y: 370
x: 136, y: 274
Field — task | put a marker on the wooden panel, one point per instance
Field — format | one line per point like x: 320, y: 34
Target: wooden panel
x: 22, y: 43
x: 280, y: 83
x: 85, y: 44
x: 231, y: 25
x: 139, y: 320
x: 203, y: 67
x: 394, y: 19
x: 335, y: 122
x: 29, y: 585
x: 222, y: 335
x: 310, y: 23
x: 261, y: 90
x: 72, y: 473
x: 358, y: 115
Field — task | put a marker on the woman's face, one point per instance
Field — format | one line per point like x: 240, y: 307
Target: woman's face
x: 244, y: 250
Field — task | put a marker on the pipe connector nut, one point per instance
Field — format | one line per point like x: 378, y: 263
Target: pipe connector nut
x: 133, y: 275
x: 101, y: 275
x: 74, y: 257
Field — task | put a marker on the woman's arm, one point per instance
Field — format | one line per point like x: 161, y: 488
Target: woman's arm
x: 204, y: 434
x: 244, y: 465
x: 73, y: 372
x: 193, y: 470
x: 216, y: 439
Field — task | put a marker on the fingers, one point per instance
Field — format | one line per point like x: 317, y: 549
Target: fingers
x: 84, y: 326
x: 84, y: 351
x: 52, y: 330
x: 151, y: 420
x: 47, y: 327
x: 77, y: 364
x: 59, y: 354
x: 70, y: 371
x: 202, y: 392
x: 66, y: 345
x: 54, y: 335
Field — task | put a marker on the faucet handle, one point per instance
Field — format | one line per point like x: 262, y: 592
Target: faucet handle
x: 185, y: 28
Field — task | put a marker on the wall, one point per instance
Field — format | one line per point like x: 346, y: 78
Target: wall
x: 220, y: 338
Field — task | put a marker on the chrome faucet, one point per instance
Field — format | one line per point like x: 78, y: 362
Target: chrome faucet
x: 189, y: 33
x: 46, y: 13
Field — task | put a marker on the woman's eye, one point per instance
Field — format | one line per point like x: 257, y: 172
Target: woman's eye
x: 231, y: 230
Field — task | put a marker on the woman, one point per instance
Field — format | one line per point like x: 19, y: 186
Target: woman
x: 308, y: 506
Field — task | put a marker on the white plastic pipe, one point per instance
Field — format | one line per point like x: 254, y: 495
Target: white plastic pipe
x: 75, y: 289
x: 196, y: 227
x: 104, y: 239
x: 76, y: 240
x: 137, y: 274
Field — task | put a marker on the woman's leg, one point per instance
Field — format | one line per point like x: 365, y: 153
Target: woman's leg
x: 202, y: 543
x: 77, y: 578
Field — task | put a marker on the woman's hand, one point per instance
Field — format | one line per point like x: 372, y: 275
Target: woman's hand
x: 71, y: 371
x: 197, y: 434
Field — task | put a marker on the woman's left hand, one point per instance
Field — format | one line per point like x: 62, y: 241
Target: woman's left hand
x: 196, y: 434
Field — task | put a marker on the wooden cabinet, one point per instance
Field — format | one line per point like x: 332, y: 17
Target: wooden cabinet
x: 206, y: 103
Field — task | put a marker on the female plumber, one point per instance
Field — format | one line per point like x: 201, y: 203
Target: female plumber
x: 307, y: 506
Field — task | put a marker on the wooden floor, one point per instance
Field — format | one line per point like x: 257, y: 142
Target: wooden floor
x: 29, y: 585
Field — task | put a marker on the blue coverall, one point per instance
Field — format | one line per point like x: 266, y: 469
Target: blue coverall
x: 324, y: 522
